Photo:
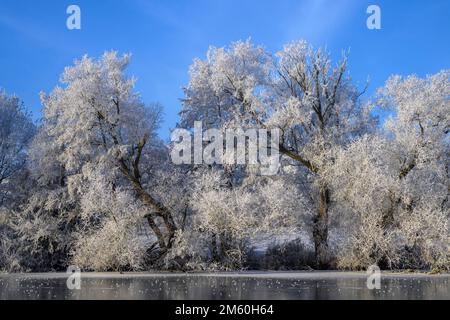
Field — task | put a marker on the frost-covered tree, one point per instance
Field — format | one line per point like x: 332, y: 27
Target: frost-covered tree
x: 98, y: 121
x: 318, y: 109
x: 299, y: 91
x: 95, y: 185
x: 228, y: 223
x: 397, y: 184
x: 101, y: 171
x: 16, y: 132
x: 44, y: 223
x: 420, y: 130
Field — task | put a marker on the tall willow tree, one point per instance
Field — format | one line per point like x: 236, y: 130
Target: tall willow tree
x: 297, y: 90
x: 98, y: 134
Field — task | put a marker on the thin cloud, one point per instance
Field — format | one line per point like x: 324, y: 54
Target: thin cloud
x: 31, y: 32
x: 318, y: 19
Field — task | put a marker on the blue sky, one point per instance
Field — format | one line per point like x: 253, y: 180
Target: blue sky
x: 165, y: 36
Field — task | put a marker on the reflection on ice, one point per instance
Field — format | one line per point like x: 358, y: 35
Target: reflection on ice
x: 310, y: 285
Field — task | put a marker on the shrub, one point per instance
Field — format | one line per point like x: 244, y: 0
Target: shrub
x: 291, y: 255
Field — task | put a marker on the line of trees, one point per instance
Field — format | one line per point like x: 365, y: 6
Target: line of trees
x: 93, y: 185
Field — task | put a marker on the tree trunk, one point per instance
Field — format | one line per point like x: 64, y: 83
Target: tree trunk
x: 215, y: 253
x: 171, y: 228
x: 160, y: 211
x: 157, y: 231
x: 388, y: 217
x: 320, y: 231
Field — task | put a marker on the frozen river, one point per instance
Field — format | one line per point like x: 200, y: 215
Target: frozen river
x: 243, y: 285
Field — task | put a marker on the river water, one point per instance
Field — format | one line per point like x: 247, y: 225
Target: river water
x: 245, y: 285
